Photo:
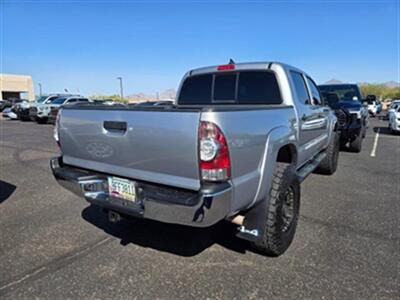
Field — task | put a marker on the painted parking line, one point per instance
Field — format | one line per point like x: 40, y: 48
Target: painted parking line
x: 373, y: 151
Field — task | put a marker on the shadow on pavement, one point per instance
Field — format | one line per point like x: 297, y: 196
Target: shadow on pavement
x: 175, y: 239
x: 383, y: 130
x: 6, y: 189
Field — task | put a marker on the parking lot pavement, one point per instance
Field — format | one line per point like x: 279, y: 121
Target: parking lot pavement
x: 54, y: 245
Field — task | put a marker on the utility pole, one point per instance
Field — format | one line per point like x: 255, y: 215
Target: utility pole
x: 121, y: 89
x: 40, y: 89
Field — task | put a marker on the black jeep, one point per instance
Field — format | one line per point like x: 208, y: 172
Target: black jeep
x: 346, y: 101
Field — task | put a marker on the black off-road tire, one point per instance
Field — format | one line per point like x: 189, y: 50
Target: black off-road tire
x: 356, y: 144
x: 364, y: 132
x: 41, y: 121
x: 343, y: 145
x: 329, y: 164
x: 277, y: 238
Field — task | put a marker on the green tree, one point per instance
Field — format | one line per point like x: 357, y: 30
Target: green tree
x: 115, y: 98
x: 381, y: 91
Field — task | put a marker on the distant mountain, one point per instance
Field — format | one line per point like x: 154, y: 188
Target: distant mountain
x: 333, y: 81
x: 392, y: 84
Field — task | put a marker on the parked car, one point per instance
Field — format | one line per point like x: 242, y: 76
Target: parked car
x: 153, y: 103
x: 372, y: 105
x: 378, y: 107
x: 54, y: 108
x: 392, y: 107
x: 12, y: 112
x: 236, y: 147
x: 9, y: 114
x: 346, y: 99
x: 23, y: 110
x: 32, y: 109
x: 394, y: 120
x: 107, y: 102
x: 8, y: 103
x: 41, y: 112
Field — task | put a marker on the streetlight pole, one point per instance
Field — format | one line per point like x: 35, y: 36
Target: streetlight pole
x: 120, y: 86
x: 40, y: 89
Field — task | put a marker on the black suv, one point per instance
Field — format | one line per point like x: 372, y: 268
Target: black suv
x: 346, y: 100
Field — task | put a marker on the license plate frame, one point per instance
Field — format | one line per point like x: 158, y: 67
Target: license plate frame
x: 121, y: 188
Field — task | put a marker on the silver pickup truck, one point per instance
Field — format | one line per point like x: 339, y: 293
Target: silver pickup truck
x: 234, y: 147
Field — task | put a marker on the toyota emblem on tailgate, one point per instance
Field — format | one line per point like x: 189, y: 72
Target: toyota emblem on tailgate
x: 100, y: 150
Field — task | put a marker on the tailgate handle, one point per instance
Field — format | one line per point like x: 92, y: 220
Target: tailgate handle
x: 115, y: 126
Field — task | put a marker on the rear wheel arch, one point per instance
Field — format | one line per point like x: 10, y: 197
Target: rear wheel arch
x: 287, y: 154
x: 335, y: 126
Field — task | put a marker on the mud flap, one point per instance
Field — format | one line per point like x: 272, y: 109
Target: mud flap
x: 254, y: 223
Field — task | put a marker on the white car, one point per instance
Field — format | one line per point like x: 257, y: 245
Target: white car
x: 394, y: 120
x: 392, y: 108
x: 372, y: 107
x: 40, y: 113
x: 8, y: 113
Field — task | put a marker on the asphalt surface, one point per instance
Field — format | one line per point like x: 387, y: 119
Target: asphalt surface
x: 54, y: 245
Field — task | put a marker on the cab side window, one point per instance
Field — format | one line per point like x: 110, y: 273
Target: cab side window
x: 316, y: 96
x: 300, y: 88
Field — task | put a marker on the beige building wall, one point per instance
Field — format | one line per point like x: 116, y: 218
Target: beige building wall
x: 17, y: 84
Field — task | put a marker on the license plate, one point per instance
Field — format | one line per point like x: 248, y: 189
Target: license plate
x: 122, y: 188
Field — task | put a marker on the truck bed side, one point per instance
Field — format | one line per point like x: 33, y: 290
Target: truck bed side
x: 252, y: 144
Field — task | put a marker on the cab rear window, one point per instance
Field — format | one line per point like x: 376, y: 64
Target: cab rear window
x: 246, y: 87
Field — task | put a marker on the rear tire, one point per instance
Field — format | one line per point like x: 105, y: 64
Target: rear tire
x: 356, y: 145
x: 41, y: 121
x: 24, y: 119
x: 329, y: 164
x: 282, y: 212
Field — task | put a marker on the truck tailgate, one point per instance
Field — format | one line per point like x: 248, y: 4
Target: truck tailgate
x: 151, y: 145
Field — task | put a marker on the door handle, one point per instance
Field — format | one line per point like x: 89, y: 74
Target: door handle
x: 314, y: 124
x: 115, y: 126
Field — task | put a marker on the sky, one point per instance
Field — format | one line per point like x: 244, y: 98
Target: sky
x: 85, y: 45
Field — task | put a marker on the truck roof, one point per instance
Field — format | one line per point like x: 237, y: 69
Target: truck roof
x: 263, y: 65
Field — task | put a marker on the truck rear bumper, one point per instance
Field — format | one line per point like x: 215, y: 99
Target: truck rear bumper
x: 166, y: 204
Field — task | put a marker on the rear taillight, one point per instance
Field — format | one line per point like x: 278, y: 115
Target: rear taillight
x: 215, y: 164
x: 56, y: 129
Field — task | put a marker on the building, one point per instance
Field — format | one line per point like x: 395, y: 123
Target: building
x: 16, y: 86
